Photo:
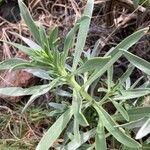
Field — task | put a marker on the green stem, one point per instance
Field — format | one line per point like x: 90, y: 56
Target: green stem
x: 78, y: 88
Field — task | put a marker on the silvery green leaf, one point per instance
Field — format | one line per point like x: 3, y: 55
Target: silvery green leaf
x: 138, y: 62
x: 134, y: 124
x: 40, y: 92
x: 11, y: 63
x: 116, y: 54
x: 82, y: 34
x: 133, y: 93
x: 73, y: 145
x: 54, y: 131
x: 144, y: 130
x: 29, y: 21
x: 118, y: 133
x: 39, y: 73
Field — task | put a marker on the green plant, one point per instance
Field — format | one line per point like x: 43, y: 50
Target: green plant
x: 143, y: 2
x: 82, y: 75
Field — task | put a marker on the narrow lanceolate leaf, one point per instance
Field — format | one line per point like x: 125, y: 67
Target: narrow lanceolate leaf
x: 134, y: 114
x: 134, y: 124
x: 70, y: 38
x: 77, y: 105
x: 40, y: 92
x: 53, y: 38
x: 138, y: 62
x: 120, y: 108
x: 83, y: 31
x: 27, y: 50
x: 100, y: 137
x: 118, y: 133
x: 74, y: 145
x: 29, y: 42
x: 54, y: 131
x: 92, y: 64
x: 116, y: 54
x: 124, y: 77
x: 110, y: 78
x: 69, y: 42
x: 39, y: 73
x: 134, y: 93
x: 18, y: 91
x: 144, y: 130
x: 11, y: 63
x: 76, y: 131
x: 29, y: 21
x: 44, y: 39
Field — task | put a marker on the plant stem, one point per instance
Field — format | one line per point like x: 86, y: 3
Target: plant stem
x: 81, y: 90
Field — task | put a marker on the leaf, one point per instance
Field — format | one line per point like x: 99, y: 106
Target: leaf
x: 76, y: 131
x: 138, y: 62
x: 116, y: 54
x: 118, y: 133
x: 40, y: 92
x: 29, y: 21
x: 110, y: 78
x: 133, y: 93
x: 92, y: 64
x: 26, y: 50
x: 100, y: 137
x: 74, y: 145
x: 144, y: 130
x: 77, y: 105
x: 63, y: 93
x: 82, y: 34
x: 120, y: 108
x: 94, y: 50
x: 69, y: 41
x: 11, y: 63
x: 54, y: 131
x: 30, y: 43
x: 18, y: 91
x: 136, y: 3
x: 39, y: 73
x: 57, y: 106
x: 124, y: 77
x: 134, y: 114
x: 53, y: 38
x: 134, y: 124
x: 44, y: 39
x: 70, y: 38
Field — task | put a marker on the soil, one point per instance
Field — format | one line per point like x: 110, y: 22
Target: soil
x: 10, y: 11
